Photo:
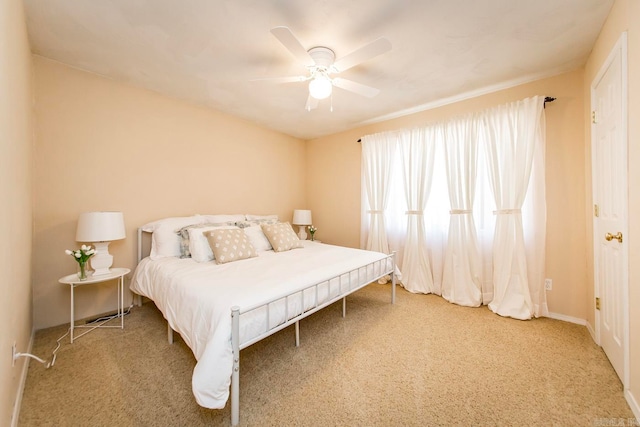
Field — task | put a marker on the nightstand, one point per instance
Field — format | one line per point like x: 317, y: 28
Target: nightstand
x: 73, y: 281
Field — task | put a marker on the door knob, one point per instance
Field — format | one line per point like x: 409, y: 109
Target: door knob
x: 609, y: 237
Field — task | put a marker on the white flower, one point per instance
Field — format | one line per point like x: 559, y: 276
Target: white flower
x: 83, y: 254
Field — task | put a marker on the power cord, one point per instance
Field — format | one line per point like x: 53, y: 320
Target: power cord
x: 111, y: 317
x: 44, y: 362
x: 54, y: 353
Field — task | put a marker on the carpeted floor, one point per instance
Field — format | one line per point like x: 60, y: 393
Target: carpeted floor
x: 420, y: 362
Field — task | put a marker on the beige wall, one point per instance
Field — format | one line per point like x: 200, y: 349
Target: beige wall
x: 624, y: 16
x: 15, y: 200
x: 102, y: 145
x: 334, y: 181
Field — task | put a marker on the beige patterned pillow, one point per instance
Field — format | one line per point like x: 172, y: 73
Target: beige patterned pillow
x: 281, y: 236
x: 230, y: 245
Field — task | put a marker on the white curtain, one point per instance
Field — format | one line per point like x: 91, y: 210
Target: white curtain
x: 462, y: 203
x: 417, y: 153
x: 378, y: 157
x: 461, y: 280
x: 512, y: 133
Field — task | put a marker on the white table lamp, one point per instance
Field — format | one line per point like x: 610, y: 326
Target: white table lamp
x: 100, y: 228
x: 302, y: 218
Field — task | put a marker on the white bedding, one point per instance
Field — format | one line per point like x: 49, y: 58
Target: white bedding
x: 196, y: 299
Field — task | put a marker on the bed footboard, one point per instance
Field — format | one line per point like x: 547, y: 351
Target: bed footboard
x: 382, y: 268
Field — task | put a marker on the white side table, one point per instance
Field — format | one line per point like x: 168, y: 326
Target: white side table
x: 73, y: 281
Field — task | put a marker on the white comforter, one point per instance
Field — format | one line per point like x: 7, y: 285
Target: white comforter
x: 196, y: 300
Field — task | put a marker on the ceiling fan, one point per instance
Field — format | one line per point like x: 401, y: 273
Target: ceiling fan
x: 322, y: 66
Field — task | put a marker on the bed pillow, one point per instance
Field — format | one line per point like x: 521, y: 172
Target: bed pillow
x: 269, y: 217
x: 230, y: 245
x: 183, y: 234
x: 198, y: 244
x: 252, y: 222
x: 257, y: 238
x: 281, y: 236
x: 164, y: 240
x: 223, y: 218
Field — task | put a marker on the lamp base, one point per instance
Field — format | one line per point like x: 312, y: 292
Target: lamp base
x: 102, y: 261
x: 302, y: 234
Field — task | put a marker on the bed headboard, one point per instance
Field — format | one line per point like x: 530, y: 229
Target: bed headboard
x: 144, y: 244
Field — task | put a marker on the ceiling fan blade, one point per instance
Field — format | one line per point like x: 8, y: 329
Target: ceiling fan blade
x: 286, y: 37
x: 375, y: 48
x: 311, y: 103
x: 358, y: 88
x: 291, y: 79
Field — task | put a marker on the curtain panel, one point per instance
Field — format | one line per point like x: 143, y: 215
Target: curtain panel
x: 513, y: 131
x: 462, y: 266
x: 417, y: 154
x: 378, y: 156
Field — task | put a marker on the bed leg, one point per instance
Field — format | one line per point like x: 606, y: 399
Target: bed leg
x: 393, y: 279
x: 344, y: 306
x: 139, y: 300
x: 393, y: 288
x: 235, y: 373
x: 169, y: 333
x: 297, y: 334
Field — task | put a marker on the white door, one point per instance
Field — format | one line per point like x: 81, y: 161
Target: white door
x: 610, y: 188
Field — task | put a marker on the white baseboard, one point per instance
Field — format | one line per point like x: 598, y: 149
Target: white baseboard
x: 592, y: 332
x: 633, y: 404
x: 569, y: 319
x: 23, y: 380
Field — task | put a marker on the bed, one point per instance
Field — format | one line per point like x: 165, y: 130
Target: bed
x: 221, y: 308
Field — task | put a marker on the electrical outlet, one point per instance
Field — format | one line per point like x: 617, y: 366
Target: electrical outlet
x: 13, y: 354
x: 548, y: 284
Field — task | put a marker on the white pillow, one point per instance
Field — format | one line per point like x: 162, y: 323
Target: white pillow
x: 199, y: 245
x: 252, y: 217
x: 257, y: 238
x: 223, y: 218
x: 164, y: 240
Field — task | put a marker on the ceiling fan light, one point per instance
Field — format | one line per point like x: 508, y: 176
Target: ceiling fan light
x: 320, y: 87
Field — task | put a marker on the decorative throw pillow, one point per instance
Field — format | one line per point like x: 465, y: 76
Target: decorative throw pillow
x: 185, y: 239
x: 230, y: 245
x: 253, y: 222
x: 281, y: 236
x: 199, y: 245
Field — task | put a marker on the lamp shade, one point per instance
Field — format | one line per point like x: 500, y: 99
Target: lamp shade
x: 302, y: 217
x: 100, y: 227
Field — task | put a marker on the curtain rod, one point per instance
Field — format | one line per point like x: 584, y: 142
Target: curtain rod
x: 546, y: 99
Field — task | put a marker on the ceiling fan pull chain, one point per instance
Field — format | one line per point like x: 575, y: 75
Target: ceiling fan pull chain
x: 331, y: 106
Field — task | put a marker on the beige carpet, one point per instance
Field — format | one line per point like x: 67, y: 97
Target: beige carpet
x: 420, y: 362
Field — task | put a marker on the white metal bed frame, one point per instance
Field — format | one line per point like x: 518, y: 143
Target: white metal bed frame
x: 381, y: 268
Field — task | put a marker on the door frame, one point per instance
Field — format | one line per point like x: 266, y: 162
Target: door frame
x: 620, y: 49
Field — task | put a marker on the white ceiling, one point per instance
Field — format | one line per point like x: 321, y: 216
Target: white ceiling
x: 207, y: 51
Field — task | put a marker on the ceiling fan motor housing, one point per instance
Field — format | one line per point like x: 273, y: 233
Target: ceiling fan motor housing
x: 323, y: 56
